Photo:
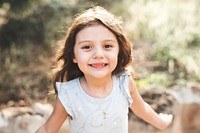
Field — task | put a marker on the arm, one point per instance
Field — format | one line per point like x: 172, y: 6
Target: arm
x: 144, y: 110
x: 56, y: 119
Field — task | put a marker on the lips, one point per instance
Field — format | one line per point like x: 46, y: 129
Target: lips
x: 98, y: 65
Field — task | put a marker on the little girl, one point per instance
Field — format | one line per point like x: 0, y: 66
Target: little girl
x: 94, y: 87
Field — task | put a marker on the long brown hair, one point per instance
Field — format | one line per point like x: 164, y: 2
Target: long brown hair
x: 66, y: 69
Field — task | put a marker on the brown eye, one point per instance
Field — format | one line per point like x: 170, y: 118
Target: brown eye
x: 108, y: 46
x: 86, y: 47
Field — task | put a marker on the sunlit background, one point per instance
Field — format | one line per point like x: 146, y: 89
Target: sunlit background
x: 165, y: 36
x: 166, y: 51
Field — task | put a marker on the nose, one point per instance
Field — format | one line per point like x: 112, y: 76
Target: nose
x: 98, y: 53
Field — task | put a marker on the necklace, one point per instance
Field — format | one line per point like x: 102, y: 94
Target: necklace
x: 105, y: 113
x: 104, y: 106
x: 106, y: 103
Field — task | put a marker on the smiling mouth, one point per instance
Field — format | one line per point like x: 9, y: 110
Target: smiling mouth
x: 98, y: 65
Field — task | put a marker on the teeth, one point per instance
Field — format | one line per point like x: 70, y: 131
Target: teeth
x: 99, y: 65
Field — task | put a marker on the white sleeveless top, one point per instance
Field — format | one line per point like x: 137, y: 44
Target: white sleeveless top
x: 94, y: 115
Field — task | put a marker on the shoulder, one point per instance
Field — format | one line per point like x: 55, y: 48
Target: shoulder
x: 64, y: 87
x: 125, y: 84
x: 127, y: 78
x: 68, y: 82
x: 67, y: 94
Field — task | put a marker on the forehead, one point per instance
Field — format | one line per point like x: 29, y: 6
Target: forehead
x: 95, y: 32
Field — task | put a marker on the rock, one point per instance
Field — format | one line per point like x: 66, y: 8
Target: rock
x: 190, y: 118
x: 187, y: 118
x: 24, y: 119
x: 25, y: 124
x: 10, y: 112
x: 161, y: 100
x: 184, y: 104
x: 43, y: 109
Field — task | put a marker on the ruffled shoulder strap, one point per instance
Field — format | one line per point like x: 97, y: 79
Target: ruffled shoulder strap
x: 65, y: 95
x: 124, y: 85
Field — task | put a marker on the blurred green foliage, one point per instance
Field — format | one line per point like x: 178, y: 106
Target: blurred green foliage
x: 28, y: 32
x: 171, y: 30
x: 167, y: 29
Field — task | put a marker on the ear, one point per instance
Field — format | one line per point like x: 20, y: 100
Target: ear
x: 74, y: 60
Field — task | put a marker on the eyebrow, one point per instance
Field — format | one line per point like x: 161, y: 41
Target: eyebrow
x: 109, y: 40
x: 84, y: 41
x: 106, y: 40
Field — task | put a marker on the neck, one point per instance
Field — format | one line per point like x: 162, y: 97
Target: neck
x: 98, y: 88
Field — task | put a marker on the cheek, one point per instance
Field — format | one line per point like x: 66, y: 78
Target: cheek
x: 115, y: 55
x: 114, y: 58
x: 82, y: 63
x: 81, y: 59
x: 77, y: 56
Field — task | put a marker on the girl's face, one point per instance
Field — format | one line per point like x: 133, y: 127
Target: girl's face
x: 96, y: 51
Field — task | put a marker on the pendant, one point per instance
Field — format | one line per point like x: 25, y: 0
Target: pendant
x: 105, y: 114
